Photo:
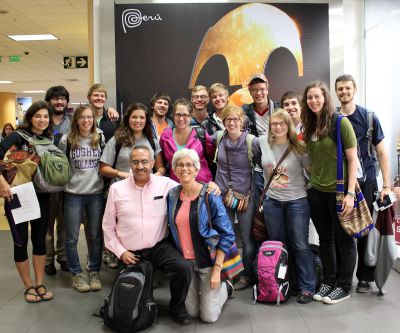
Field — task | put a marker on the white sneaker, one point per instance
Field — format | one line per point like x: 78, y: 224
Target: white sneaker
x: 94, y: 281
x: 80, y: 283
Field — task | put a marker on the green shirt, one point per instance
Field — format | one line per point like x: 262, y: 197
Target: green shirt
x: 323, y: 158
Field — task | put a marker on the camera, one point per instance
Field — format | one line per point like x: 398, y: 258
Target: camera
x: 387, y: 201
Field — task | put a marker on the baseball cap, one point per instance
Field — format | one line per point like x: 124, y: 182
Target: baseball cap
x: 258, y: 77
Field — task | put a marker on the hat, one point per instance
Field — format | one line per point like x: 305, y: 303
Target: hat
x: 260, y: 77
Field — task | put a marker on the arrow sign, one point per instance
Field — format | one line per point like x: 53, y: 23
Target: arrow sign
x: 82, y: 62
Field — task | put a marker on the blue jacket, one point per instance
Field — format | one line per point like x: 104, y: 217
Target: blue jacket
x: 219, y: 236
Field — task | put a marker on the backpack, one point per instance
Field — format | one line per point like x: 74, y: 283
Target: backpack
x: 249, y: 142
x: 130, y: 306
x: 368, y: 134
x: 273, y: 273
x: 54, y: 170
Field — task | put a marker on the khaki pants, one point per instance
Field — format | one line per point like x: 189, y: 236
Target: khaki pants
x: 55, y: 249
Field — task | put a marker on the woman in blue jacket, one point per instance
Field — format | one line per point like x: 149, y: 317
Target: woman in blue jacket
x: 192, y: 234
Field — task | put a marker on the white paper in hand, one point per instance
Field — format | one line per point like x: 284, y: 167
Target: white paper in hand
x: 26, y: 203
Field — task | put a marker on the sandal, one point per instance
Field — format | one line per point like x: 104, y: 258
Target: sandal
x: 45, y: 295
x: 28, y: 292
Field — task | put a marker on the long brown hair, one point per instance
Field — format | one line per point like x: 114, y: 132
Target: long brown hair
x: 74, y: 136
x: 124, y: 134
x: 309, y: 118
x: 298, y: 147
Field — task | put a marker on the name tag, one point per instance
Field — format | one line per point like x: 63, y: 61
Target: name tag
x: 158, y: 197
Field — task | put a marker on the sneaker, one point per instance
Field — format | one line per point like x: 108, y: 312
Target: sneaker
x: 94, y: 281
x: 113, y: 261
x: 106, y: 257
x: 80, y: 283
x: 364, y: 287
x: 229, y: 288
x: 243, y: 283
x: 305, y: 297
x: 323, y: 291
x: 337, y: 295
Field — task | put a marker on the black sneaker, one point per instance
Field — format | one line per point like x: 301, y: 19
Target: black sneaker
x: 323, y: 291
x: 64, y: 266
x: 337, y: 295
x: 230, y: 288
x: 364, y: 287
x: 305, y: 297
x: 50, y: 269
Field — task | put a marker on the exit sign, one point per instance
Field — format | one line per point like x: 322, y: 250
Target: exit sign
x: 14, y: 58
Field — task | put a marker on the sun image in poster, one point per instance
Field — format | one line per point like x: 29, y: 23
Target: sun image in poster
x: 246, y: 37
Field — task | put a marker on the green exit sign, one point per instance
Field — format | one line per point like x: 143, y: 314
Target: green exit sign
x: 14, y: 58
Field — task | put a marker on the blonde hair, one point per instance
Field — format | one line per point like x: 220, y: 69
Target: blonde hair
x: 218, y: 86
x: 295, y: 145
x: 228, y: 110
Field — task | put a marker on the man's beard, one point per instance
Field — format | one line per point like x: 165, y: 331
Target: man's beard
x: 58, y: 112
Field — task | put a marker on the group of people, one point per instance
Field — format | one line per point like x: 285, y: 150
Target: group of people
x: 138, y: 179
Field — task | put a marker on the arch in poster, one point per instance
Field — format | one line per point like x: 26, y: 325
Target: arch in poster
x: 246, y: 37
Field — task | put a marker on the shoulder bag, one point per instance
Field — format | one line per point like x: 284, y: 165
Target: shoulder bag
x: 359, y: 222
x: 258, y: 228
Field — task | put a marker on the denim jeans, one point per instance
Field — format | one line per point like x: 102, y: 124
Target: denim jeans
x: 332, y: 237
x: 288, y: 222
x: 74, y: 206
x: 245, y: 220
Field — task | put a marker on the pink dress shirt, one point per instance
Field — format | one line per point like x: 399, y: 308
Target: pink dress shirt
x: 135, y: 217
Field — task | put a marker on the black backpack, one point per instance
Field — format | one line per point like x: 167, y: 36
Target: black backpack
x: 130, y: 306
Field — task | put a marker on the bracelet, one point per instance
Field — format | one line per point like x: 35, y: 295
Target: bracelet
x: 116, y: 175
x: 386, y: 186
x: 218, y: 265
x: 351, y: 193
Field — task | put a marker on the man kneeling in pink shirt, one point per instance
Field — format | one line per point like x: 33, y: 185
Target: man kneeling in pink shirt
x: 139, y: 205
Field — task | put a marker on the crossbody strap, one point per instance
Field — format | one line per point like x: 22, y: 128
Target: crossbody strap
x: 265, y: 189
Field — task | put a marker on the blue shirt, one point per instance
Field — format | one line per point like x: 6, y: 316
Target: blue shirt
x: 359, y: 121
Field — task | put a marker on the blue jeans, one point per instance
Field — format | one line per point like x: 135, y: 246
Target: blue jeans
x: 74, y: 205
x: 245, y: 220
x: 288, y: 221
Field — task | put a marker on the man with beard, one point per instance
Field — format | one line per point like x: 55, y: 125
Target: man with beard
x: 57, y: 97
x: 159, y: 105
x: 363, y: 121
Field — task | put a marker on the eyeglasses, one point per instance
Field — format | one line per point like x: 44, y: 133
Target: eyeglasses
x: 58, y: 98
x: 85, y: 117
x: 255, y: 91
x: 233, y: 120
x: 142, y: 162
x: 182, y: 115
x: 281, y: 124
x: 196, y: 97
x: 187, y: 165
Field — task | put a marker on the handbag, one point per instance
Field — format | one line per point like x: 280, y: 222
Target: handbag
x: 258, y: 228
x: 232, y: 265
x: 19, y: 165
x: 359, y: 222
x: 232, y: 199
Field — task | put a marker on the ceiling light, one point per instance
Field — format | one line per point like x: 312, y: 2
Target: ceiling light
x: 34, y: 91
x: 19, y: 38
x: 6, y: 82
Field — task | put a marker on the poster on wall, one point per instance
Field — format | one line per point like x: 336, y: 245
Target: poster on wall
x: 173, y: 47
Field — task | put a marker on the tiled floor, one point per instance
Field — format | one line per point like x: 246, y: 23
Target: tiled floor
x: 73, y: 312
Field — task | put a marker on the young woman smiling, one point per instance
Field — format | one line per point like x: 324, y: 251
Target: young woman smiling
x: 84, y: 193
x: 235, y: 173
x: 37, y: 122
x: 317, y: 110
